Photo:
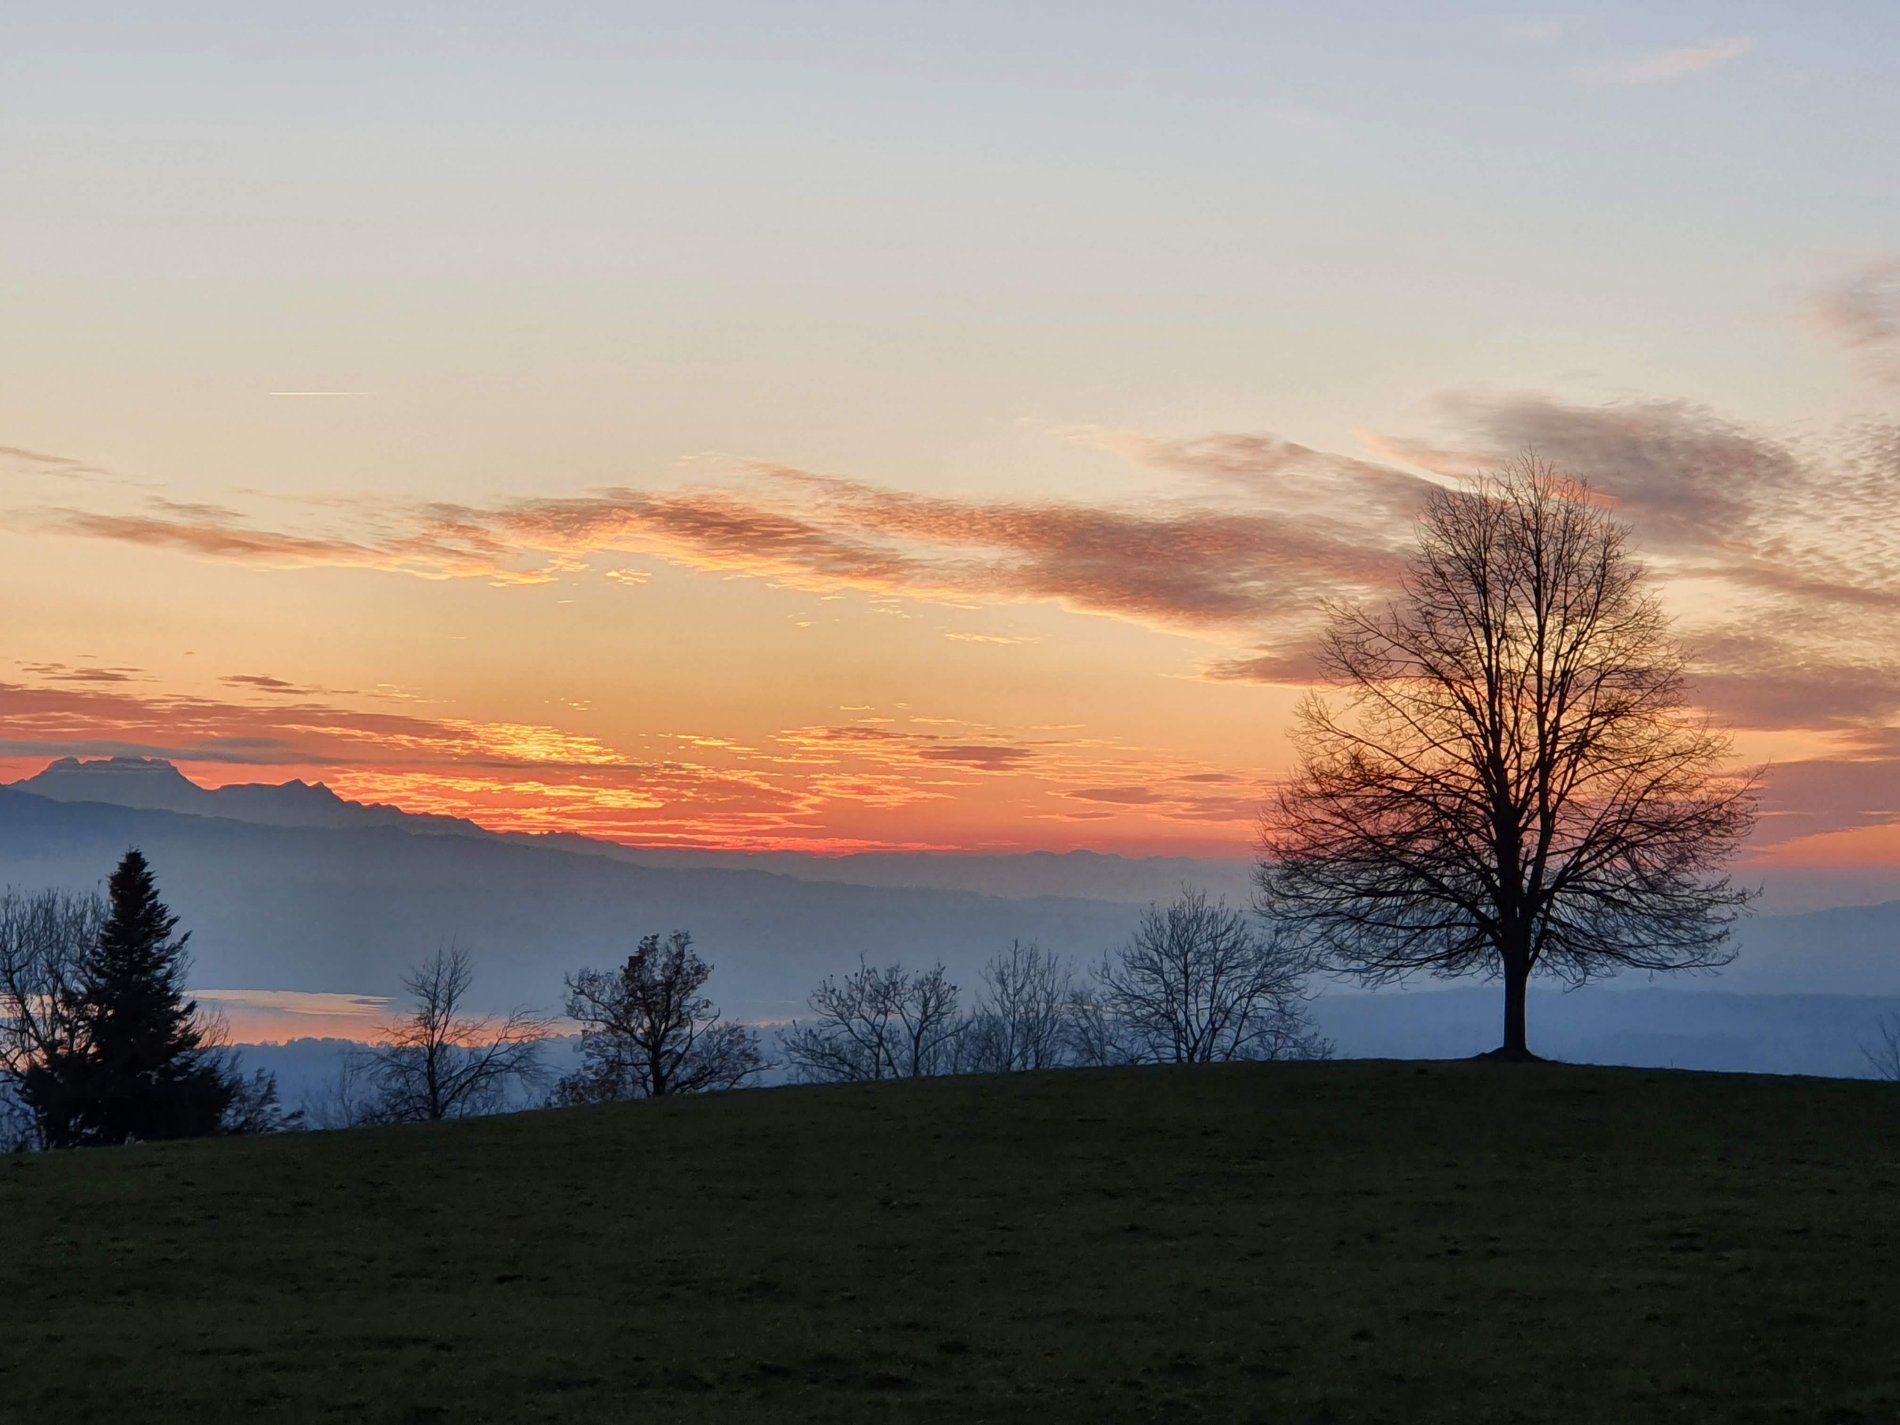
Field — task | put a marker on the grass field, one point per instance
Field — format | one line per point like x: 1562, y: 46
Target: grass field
x: 1304, y: 1242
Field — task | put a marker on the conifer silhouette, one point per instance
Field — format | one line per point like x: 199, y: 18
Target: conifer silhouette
x: 141, y: 1068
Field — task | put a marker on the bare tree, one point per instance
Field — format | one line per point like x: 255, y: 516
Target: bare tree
x: 888, y: 1023
x: 1021, y: 1014
x: 1196, y: 984
x: 439, y: 1060
x: 1883, y: 1055
x: 45, y: 937
x: 1093, y: 1037
x: 347, y: 1099
x: 255, y: 1104
x: 647, y: 1031
x: 1508, y: 779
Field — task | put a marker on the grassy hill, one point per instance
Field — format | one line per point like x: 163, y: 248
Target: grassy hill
x: 1331, y: 1242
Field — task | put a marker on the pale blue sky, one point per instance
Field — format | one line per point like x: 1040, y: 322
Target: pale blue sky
x: 623, y: 233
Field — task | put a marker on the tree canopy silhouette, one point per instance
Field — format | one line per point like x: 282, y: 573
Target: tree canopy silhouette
x: 879, y: 1022
x: 648, y: 1032
x: 1505, y: 776
x: 1197, y: 985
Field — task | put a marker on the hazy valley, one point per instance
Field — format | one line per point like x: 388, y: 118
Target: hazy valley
x: 289, y: 888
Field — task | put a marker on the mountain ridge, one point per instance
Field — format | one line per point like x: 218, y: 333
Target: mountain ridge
x: 155, y: 784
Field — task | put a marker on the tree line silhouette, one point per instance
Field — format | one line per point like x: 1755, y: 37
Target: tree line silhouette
x: 1500, y: 773
x: 100, y: 1043
x: 1194, y: 984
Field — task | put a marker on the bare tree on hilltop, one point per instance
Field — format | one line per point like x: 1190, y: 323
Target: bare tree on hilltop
x: 440, y: 1060
x: 1196, y: 984
x: 877, y: 1023
x: 648, y: 1032
x: 1506, y: 778
x: 1021, y: 1017
x: 1883, y: 1050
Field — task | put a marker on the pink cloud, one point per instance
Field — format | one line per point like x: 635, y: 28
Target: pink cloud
x: 1661, y: 66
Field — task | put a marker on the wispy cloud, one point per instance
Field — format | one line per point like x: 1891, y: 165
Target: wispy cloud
x: 1855, y: 784
x: 216, y: 532
x: 1661, y: 66
x: 1860, y: 310
x: 81, y: 673
x: 1271, y: 471
x: 1246, y: 554
x: 1186, y: 567
x: 1862, y: 307
x: 38, y: 464
x: 264, y: 683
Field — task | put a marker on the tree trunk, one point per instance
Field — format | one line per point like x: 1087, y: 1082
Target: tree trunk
x: 1516, y: 1047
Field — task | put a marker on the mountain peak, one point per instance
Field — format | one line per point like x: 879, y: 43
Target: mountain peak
x: 144, y: 767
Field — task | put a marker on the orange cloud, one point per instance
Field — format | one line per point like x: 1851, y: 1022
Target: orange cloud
x: 276, y: 1016
x: 1186, y: 568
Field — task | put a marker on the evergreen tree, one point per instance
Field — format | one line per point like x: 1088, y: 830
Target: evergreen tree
x: 140, y: 1067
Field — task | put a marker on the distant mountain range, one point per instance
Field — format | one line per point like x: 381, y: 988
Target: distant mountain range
x: 291, y: 887
x: 152, y: 784
x: 285, y: 904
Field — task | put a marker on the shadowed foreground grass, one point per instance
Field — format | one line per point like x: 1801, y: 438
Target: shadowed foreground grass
x: 1337, y: 1242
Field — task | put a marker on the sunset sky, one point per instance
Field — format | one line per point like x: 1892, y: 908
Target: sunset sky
x: 926, y: 426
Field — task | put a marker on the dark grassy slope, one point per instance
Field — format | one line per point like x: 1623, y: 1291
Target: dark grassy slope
x: 1343, y: 1242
